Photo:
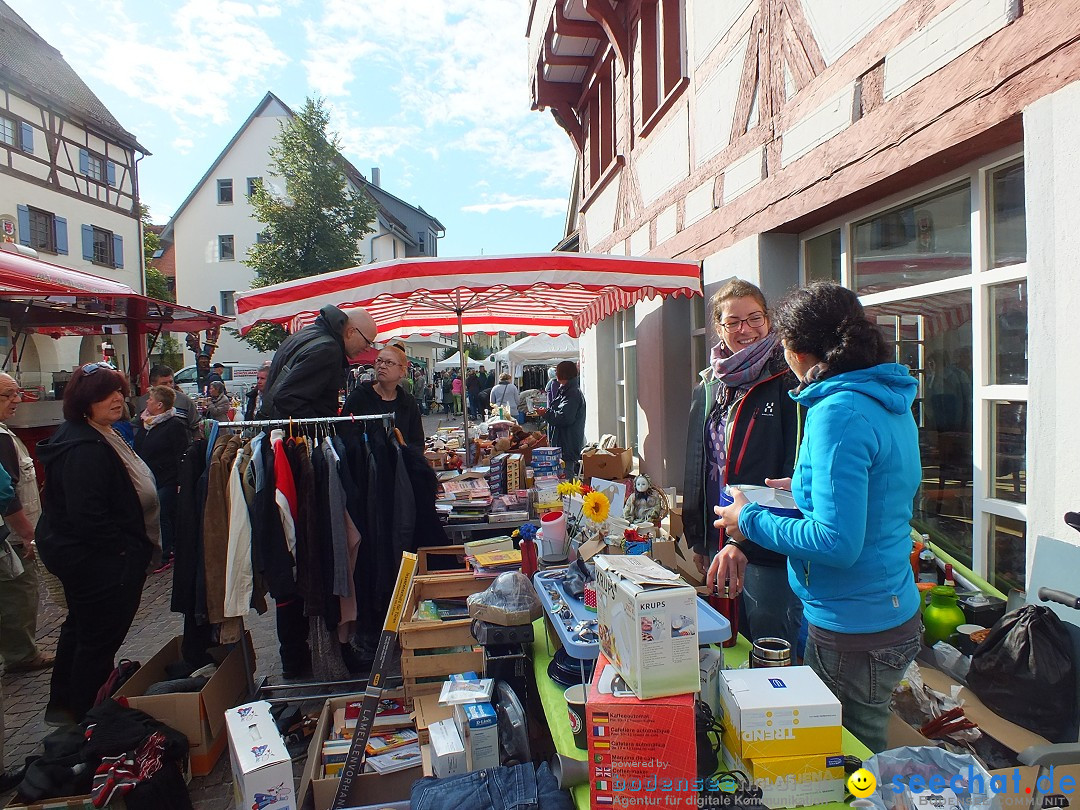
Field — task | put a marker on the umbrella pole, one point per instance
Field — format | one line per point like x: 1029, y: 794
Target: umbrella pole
x: 464, y: 393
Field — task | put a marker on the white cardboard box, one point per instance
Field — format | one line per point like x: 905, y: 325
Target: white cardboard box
x: 647, y: 619
x: 778, y: 711
x: 447, y: 749
x: 478, y: 726
x: 261, y: 765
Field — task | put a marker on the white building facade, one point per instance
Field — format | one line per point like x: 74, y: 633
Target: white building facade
x: 921, y: 152
x: 210, y: 234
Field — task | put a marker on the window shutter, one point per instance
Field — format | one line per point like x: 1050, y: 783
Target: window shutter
x: 110, y: 172
x: 88, y: 243
x: 118, y: 250
x: 84, y: 161
x: 24, y: 225
x: 61, y: 235
x: 26, y: 138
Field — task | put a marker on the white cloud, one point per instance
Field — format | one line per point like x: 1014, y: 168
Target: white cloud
x: 183, y: 145
x: 195, y: 66
x: 461, y: 69
x: 552, y: 207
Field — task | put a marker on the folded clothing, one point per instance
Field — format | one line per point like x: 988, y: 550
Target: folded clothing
x: 179, y: 685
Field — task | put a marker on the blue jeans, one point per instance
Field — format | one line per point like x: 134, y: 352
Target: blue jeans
x: 864, y: 682
x: 771, y: 608
x: 520, y: 787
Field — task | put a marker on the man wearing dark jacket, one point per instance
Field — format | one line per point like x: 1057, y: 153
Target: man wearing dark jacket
x: 306, y: 374
x: 308, y: 369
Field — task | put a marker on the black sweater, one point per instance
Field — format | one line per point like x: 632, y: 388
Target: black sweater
x: 365, y: 401
x: 89, y: 502
x: 162, y: 448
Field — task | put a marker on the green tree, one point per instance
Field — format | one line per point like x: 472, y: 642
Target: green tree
x: 157, y: 285
x: 314, y: 227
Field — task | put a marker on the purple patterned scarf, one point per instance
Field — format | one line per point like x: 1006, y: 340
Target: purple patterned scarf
x: 744, y: 366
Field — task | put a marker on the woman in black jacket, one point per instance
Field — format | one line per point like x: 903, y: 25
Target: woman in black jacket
x: 567, y: 416
x: 161, y: 437
x: 743, y: 430
x: 98, y: 533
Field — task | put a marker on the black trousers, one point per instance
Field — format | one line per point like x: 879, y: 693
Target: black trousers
x: 103, y: 594
x: 292, y: 633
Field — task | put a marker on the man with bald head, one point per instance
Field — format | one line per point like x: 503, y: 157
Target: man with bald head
x: 309, y: 367
x: 19, y: 596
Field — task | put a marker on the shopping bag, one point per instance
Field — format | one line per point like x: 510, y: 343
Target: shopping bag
x: 964, y: 783
x: 1024, y: 671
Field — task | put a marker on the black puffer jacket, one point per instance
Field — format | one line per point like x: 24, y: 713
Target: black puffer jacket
x: 308, y: 370
x: 763, y: 438
x: 365, y: 401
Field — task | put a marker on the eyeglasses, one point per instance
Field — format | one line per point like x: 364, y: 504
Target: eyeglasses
x: 754, y: 321
x: 382, y: 362
x: 91, y: 368
x: 367, y: 340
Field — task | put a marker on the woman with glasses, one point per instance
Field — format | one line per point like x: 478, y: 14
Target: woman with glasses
x: 743, y: 430
x: 387, y: 395
x: 98, y: 533
x: 219, y: 403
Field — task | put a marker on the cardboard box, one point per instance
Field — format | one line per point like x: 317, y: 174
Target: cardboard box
x: 608, y: 464
x: 200, y: 716
x: 368, y: 788
x: 261, y: 765
x: 479, y: 729
x: 426, y: 711
x: 647, y: 619
x: 638, y: 751
x: 778, y: 711
x: 447, y: 750
x: 794, y: 781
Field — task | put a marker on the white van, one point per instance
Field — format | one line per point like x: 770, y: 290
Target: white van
x: 239, y: 378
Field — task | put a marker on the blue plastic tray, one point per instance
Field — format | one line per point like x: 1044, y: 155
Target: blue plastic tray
x: 712, y: 627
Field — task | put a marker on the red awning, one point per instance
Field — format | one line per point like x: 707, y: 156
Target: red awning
x: 47, y: 298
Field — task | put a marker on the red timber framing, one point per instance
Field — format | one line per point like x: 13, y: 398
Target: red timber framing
x: 970, y: 106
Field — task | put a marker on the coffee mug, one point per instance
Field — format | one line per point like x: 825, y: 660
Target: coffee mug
x: 575, y: 708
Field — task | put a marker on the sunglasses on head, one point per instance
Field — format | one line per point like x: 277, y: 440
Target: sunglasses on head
x: 91, y: 368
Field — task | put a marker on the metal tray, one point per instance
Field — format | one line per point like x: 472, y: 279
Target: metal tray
x: 712, y: 627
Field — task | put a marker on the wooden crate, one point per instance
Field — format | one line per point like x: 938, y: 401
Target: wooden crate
x: 425, y: 553
x: 417, y: 637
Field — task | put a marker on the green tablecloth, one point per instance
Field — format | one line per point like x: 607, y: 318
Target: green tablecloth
x: 551, y: 695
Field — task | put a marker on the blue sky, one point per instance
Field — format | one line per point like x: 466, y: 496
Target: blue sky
x: 434, y: 92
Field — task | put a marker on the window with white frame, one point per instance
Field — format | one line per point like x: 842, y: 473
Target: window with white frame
x: 943, y: 272
x: 228, y: 303
x: 95, y: 168
x: 226, y: 248
x: 7, y: 131
x: 626, y: 378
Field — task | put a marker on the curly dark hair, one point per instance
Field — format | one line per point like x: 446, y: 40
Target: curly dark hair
x: 827, y: 321
x: 86, y: 388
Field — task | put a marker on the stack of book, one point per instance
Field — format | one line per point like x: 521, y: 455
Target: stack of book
x: 511, y: 508
x: 468, y: 499
x: 392, y: 746
x: 490, y: 564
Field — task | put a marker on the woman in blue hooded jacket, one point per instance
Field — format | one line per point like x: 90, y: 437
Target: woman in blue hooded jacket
x: 855, y: 481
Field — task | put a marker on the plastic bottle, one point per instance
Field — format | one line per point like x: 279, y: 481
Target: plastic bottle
x: 949, y: 576
x: 928, y: 571
x: 942, y: 616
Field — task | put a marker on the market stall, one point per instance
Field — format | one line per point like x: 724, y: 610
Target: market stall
x: 114, y: 321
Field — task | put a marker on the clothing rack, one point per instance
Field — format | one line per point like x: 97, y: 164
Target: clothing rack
x: 317, y: 420
x: 257, y: 692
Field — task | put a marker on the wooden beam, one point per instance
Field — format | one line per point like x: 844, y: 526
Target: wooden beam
x: 558, y: 60
x: 744, y: 100
x: 801, y: 70
x: 553, y: 94
x: 805, y: 34
x: 583, y: 29
x: 564, y: 115
x: 614, y: 27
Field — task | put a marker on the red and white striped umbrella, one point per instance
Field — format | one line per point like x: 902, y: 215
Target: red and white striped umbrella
x: 545, y: 293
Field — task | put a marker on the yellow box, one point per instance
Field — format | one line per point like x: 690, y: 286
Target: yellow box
x: 795, y: 781
x: 778, y: 711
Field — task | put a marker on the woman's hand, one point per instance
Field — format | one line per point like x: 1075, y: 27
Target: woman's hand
x: 728, y: 516
x: 728, y: 569
x: 779, y: 483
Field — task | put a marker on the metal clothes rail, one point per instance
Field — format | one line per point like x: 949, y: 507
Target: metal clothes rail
x: 316, y: 420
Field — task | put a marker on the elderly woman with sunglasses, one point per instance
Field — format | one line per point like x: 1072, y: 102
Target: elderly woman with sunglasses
x: 98, y: 533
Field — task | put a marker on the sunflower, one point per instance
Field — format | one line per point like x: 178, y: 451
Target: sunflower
x: 569, y: 488
x: 596, y: 507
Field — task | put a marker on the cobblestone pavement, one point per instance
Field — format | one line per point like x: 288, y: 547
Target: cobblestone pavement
x: 25, y: 694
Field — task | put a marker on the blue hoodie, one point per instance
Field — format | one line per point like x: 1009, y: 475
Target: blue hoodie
x: 855, y: 482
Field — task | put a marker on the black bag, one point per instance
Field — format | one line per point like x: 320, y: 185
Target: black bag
x: 1024, y: 671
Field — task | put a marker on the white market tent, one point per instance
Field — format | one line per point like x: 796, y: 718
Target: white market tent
x: 537, y: 349
x: 454, y: 361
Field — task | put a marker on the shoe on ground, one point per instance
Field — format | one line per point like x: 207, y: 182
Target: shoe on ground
x: 38, y: 662
x: 56, y: 717
x: 11, y: 778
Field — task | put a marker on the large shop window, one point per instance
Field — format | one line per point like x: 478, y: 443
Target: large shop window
x: 920, y: 241
x: 626, y: 377
x: 944, y: 275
